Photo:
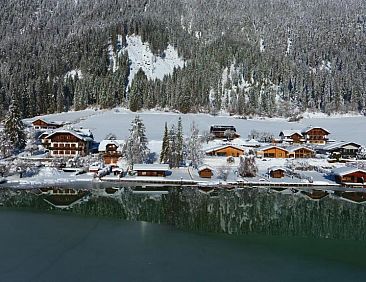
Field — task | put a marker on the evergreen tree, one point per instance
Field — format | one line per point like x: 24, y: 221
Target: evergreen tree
x: 194, y: 147
x: 165, y: 149
x: 180, y: 142
x: 135, y: 150
x: 14, y: 127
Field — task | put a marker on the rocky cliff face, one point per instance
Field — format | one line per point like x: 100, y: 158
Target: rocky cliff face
x: 234, y: 212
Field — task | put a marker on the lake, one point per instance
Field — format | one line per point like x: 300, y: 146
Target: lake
x: 63, y: 247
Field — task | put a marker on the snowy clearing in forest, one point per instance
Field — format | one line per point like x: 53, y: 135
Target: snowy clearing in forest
x: 117, y: 121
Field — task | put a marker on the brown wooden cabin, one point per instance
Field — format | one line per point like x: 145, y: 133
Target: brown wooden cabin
x: 158, y: 170
x: 315, y: 135
x: 205, y: 172
x: 301, y: 152
x: 292, y: 137
x: 219, y: 131
x: 67, y: 143
x: 273, y: 152
x: 350, y: 175
x: 225, y: 151
x: 112, y: 151
x: 277, y: 172
x: 43, y: 124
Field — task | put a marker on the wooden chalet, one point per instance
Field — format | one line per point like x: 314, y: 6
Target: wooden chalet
x: 300, y: 152
x: 40, y: 124
x: 291, y: 137
x: 276, y: 172
x: 346, y: 150
x: 111, y: 150
x: 69, y: 143
x: 272, y: 152
x: 205, y: 171
x: 221, y: 131
x: 349, y: 175
x: 225, y: 151
x: 315, y: 135
x: 151, y: 169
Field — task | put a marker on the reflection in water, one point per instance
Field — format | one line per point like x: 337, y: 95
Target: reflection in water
x: 45, y: 247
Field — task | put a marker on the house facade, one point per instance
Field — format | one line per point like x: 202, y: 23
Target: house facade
x: 272, y: 152
x: 291, y: 137
x: 111, y: 150
x: 315, y: 135
x: 225, y: 151
x: 301, y: 152
x: 276, y: 172
x: 205, y: 171
x: 68, y: 143
x: 349, y: 175
x: 156, y: 170
x: 224, y: 131
x: 346, y: 150
x: 42, y: 124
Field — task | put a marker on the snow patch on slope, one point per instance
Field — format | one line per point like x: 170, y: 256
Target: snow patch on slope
x: 141, y: 56
x: 73, y: 73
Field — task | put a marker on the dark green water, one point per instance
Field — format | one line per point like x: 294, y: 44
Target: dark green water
x: 59, y: 247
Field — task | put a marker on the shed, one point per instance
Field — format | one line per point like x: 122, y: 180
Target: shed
x: 205, y: 171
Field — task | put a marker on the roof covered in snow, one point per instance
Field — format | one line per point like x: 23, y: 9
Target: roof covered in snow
x: 154, y: 167
x: 341, y: 171
x: 78, y: 134
x: 295, y: 148
x: 204, y: 166
x: 272, y: 146
x: 338, y: 145
x: 223, y: 147
x: 104, y: 143
x: 307, y: 129
x: 289, y: 133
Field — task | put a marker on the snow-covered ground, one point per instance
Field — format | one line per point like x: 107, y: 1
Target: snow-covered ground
x: 117, y: 121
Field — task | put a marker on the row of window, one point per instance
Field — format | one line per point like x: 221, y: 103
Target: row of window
x: 65, y: 145
x: 66, y: 152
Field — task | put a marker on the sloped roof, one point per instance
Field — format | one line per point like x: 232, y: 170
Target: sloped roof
x: 288, y: 133
x: 48, y: 122
x: 307, y: 129
x: 159, y: 167
x: 223, y: 147
x: 203, y: 167
x: 104, y: 143
x: 338, y: 145
x: 78, y: 135
x: 295, y: 148
x: 272, y: 146
x: 274, y: 168
x: 341, y: 171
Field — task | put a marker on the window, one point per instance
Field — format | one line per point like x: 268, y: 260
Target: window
x: 143, y: 173
x: 73, y: 152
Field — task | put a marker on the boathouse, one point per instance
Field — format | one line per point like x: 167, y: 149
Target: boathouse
x: 225, y: 151
x: 151, y: 169
x: 205, y: 171
x: 349, y: 175
x: 276, y: 172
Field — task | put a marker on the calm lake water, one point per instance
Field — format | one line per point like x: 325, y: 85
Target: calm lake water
x: 59, y: 247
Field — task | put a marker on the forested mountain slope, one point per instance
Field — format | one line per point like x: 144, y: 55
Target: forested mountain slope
x: 263, y: 57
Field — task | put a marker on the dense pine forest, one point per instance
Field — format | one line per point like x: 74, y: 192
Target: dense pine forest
x: 263, y: 57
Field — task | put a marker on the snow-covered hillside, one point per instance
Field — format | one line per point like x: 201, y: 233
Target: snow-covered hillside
x: 140, y: 56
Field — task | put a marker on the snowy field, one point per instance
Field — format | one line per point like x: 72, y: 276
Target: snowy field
x: 117, y: 121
